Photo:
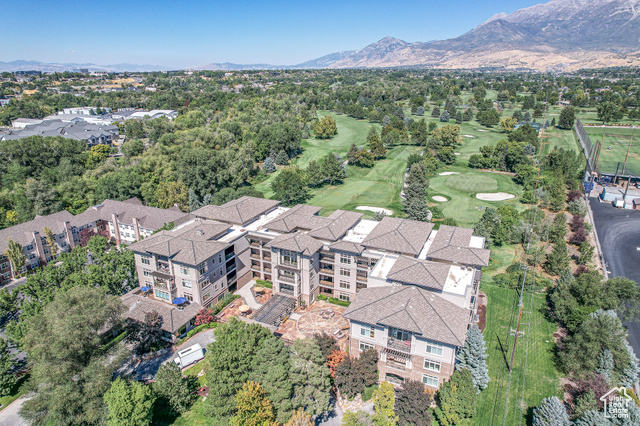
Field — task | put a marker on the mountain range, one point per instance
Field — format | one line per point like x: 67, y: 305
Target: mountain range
x: 560, y: 35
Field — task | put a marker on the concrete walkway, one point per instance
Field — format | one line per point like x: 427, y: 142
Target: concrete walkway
x: 9, y: 415
x: 248, y: 297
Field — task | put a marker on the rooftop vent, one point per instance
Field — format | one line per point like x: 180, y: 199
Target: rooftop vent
x: 200, y: 232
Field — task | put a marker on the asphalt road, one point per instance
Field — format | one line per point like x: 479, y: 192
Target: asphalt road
x: 619, y: 234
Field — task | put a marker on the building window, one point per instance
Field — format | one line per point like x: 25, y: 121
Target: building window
x: 432, y: 365
x: 345, y: 272
x: 289, y: 257
x: 202, y: 268
x: 206, y: 296
x: 430, y: 380
x: 220, y: 259
x: 367, y: 331
x: 145, y: 261
x: 364, y: 346
x: 186, y: 283
x: 345, y: 284
x: 162, y: 295
x: 188, y: 296
x: 5, y: 265
x: 345, y: 258
x: 344, y: 297
x: 434, y: 348
x: 146, y: 272
x: 204, y: 283
x: 184, y: 271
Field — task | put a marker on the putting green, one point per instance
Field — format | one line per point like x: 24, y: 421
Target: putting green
x: 472, y: 183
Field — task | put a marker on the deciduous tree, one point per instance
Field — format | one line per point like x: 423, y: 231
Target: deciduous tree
x: 130, y: 404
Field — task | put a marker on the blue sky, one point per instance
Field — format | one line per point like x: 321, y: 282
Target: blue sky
x: 191, y: 33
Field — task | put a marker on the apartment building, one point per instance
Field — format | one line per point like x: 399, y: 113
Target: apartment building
x: 121, y: 221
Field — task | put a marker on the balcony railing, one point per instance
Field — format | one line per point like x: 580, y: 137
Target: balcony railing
x: 287, y: 291
x: 229, y: 256
x: 399, y: 345
x: 267, y: 258
x: 288, y: 263
x: 287, y: 279
x: 327, y: 271
x: 396, y: 364
x: 163, y: 267
x: 255, y: 256
x: 326, y: 283
x: 255, y: 267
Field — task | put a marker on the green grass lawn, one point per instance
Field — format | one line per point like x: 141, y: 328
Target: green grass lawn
x: 534, y: 369
x: 614, y: 149
x: 16, y: 392
x: 461, y: 192
x: 194, y: 417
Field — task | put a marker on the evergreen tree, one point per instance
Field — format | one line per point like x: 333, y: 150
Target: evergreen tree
x: 175, y: 393
x: 417, y: 209
x: 420, y: 111
x: 194, y: 201
x: 411, y: 404
x: 551, y: 412
x: 352, y: 154
x: 7, y: 379
x: 300, y: 418
x: 629, y: 373
x: 130, y: 404
x: 290, y: 186
x: 445, y: 116
x: 269, y: 165
x: 332, y: 169
x: 592, y: 418
x: 473, y: 356
x: 583, y: 404
x: 282, y: 159
x: 364, y: 158
x: 272, y: 371
x: 315, y: 174
x: 252, y: 407
x: 375, y: 144
x: 553, y: 122
x: 326, y: 343
x: 605, y: 365
x: 435, y: 112
x: 558, y: 260
x: 456, y: 399
x: 325, y: 128
x: 459, y: 117
x: 310, y: 377
x: 383, y: 402
x: 386, y: 121
x: 467, y: 115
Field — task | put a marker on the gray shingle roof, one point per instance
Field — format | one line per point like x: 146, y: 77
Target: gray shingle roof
x: 413, y: 309
x: 422, y: 273
x: 298, y: 242
x: 243, y: 210
x: 347, y: 246
x: 452, y: 245
x: 148, y: 217
x: 339, y: 223
x: 23, y: 233
x: 300, y: 216
x: 172, y: 318
x: 399, y: 235
x: 190, y: 245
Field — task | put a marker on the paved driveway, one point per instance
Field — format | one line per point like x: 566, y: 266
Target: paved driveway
x: 619, y: 234
x: 9, y: 415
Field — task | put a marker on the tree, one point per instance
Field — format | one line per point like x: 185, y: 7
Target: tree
x: 551, y: 412
x: 132, y: 148
x: 269, y: 165
x: 473, y: 356
x: 170, y: 193
x: 204, y: 316
x: 558, y: 260
x: 290, y: 186
x: 605, y: 365
x: 315, y: 174
x: 383, y: 401
x: 325, y: 128
x: 326, y: 343
x: 416, y: 209
x: 489, y: 118
x: 584, y: 403
x: 300, y: 418
x: 352, y: 154
x: 456, y: 399
x: 334, y: 359
x: 130, y: 404
x: 97, y: 154
x: 252, y: 407
x: 7, y: 378
x: 567, y: 118
x: 282, y: 159
x: 70, y: 370
x: 51, y: 242
x: 420, y: 111
x: 446, y: 155
x: 310, y: 377
x: 16, y: 256
x: 607, y: 111
x: 507, y: 124
x: 375, y: 144
x: 145, y: 336
x: 332, y: 169
x: 445, y: 116
x: 364, y: 158
x: 411, y: 404
x: 175, y: 393
x: 630, y: 369
x: 592, y: 418
x: 357, y: 418
x: 435, y: 112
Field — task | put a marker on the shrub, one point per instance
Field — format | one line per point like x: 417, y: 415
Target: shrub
x: 577, y: 207
x: 264, y: 283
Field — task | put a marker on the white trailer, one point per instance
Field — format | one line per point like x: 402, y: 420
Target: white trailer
x: 189, y: 356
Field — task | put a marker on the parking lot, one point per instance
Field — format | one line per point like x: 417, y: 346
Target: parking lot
x: 619, y: 234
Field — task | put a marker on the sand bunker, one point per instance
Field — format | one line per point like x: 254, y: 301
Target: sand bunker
x: 494, y: 196
x: 468, y: 136
x: 376, y: 210
x: 449, y: 173
x: 482, y: 130
x: 457, y: 153
x: 439, y: 199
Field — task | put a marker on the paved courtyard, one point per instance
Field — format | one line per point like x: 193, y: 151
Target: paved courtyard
x: 318, y: 318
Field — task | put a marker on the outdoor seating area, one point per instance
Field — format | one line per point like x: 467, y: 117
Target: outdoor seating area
x: 275, y: 310
x: 262, y: 294
x: 232, y: 310
x: 320, y: 317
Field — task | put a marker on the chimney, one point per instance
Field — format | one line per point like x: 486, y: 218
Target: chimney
x: 69, y: 235
x: 116, y: 229
x: 37, y: 243
x: 136, y: 228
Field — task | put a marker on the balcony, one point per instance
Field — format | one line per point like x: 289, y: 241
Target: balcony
x: 287, y: 279
x: 163, y: 267
x: 326, y: 271
x: 399, y: 345
x: 326, y: 283
x: 254, y: 243
x: 255, y: 256
x: 255, y: 267
x: 267, y: 258
x: 229, y: 256
x: 396, y: 364
x: 267, y: 269
x: 287, y: 291
x: 328, y: 259
x: 361, y: 277
x: 288, y: 263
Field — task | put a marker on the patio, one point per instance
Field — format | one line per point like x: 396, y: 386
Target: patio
x: 318, y: 318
